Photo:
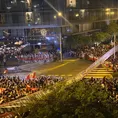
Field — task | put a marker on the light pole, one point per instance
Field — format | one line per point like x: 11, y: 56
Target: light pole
x: 114, y: 46
x: 60, y: 41
x: 60, y: 36
x: 108, y: 13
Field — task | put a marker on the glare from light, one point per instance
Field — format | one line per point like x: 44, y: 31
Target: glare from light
x: 82, y: 10
x: 55, y: 41
x: 29, y: 25
x: 22, y: 1
x: 38, y: 43
x: 48, y: 38
x: 36, y: 22
x: 35, y: 6
x: 38, y: 19
x: 59, y: 14
x: 8, y: 7
x: 112, y: 13
x: 55, y: 17
x: 3, y: 37
x: 107, y: 9
x: 77, y: 15
x: 12, y: 2
x: 107, y: 13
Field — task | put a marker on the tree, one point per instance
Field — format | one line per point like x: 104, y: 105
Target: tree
x: 85, y: 40
x: 79, y: 100
x: 73, y: 42
x: 112, y: 28
x: 100, y: 36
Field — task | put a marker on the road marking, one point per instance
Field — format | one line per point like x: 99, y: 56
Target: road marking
x: 53, y: 68
x: 70, y: 61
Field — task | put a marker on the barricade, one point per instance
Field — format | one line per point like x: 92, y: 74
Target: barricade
x: 34, y: 59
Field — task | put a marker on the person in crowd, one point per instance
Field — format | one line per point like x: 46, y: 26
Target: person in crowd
x: 12, y: 88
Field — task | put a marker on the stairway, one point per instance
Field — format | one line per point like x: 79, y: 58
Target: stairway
x: 100, y: 72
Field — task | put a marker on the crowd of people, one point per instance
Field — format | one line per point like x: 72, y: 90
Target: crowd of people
x: 22, y: 57
x: 94, y: 53
x: 4, y: 50
x: 35, y: 57
x: 8, y: 52
x: 88, y: 52
x: 110, y: 85
x: 12, y: 88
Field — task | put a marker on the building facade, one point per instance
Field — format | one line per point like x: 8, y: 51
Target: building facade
x: 26, y: 18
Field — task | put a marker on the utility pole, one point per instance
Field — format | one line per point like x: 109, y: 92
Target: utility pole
x: 60, y: 40
x: 114, y: 46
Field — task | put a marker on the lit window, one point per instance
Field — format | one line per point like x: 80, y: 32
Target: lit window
x: 28, y: 17
x: 71, y: 3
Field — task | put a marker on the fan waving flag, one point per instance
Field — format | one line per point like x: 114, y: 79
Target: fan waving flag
x: 34, y: 75
x: 31, y: 76
x: 28, y: 77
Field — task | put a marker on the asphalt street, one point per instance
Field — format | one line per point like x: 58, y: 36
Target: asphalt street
x: 67, y: 67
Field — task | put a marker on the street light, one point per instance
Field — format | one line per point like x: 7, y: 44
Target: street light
x: 60, y: 36
x: 112, y: 13
x: 59, y: 14
x: 107, y: 13
x: 77, y: 15
x: 82, y: 10
x: 55, y: 16
x: 107, y: 9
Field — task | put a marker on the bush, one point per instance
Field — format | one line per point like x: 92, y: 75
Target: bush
x: 79, y: 100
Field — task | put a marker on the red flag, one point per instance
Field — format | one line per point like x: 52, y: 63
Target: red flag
x: 34, y: 75
x: 5, y: 71
x: 28, y: 77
